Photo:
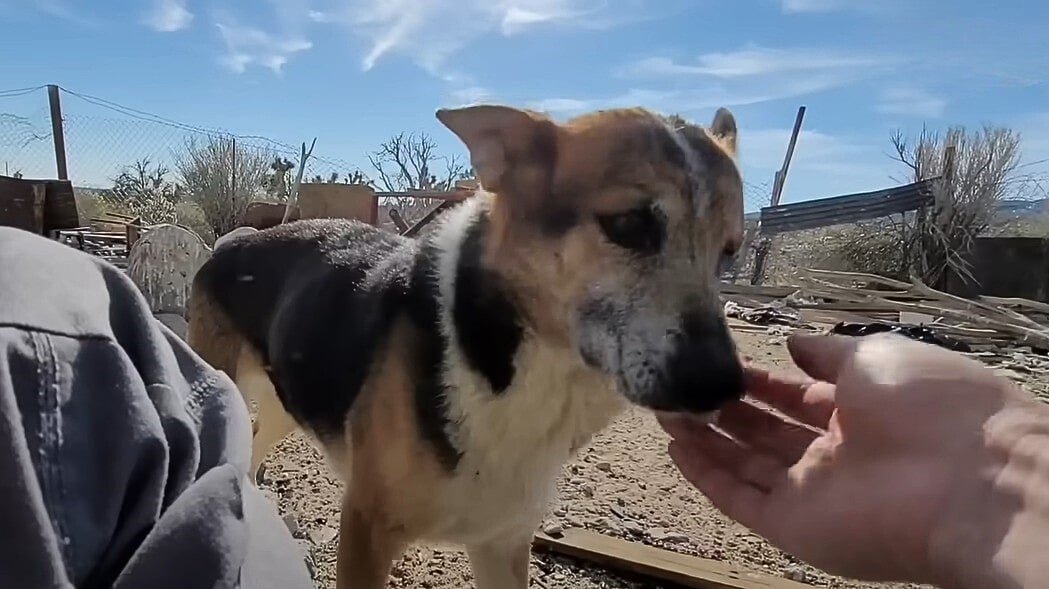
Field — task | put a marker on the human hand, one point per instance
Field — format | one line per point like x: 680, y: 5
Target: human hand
x: 886, y: 471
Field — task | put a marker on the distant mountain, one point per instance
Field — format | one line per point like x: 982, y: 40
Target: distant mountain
x: 1018, y: 207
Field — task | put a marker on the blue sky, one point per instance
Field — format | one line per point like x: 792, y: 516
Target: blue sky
x: 352, y: 72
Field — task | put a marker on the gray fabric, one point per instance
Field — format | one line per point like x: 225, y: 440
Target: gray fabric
x: 123, y: 457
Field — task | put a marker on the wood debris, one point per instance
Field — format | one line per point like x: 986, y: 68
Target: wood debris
x: 1011, y: 333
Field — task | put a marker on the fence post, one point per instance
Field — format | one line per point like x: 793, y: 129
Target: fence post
x: 761, y: 250
x: 57, y: 131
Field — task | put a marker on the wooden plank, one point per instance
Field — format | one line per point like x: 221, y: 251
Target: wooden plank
x: 862, y: 276
x: 656, y: 563
x: 453, y: 195
x: 415, y: 229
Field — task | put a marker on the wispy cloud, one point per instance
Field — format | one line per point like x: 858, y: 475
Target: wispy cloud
x: 429, y: 32
x: 756, y: 61
x: 63, y: 10
x: 248, y: 46
x: 912, y: 102
x: 751, y: 75
x: 471, y: 95
x: 690, y: 100
x: 824, y: 164
x: 168, y: 16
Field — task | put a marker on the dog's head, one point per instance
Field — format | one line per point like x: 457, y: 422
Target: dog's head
x: 612, y: 226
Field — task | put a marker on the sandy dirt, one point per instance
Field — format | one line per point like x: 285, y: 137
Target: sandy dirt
x: 623, y: 484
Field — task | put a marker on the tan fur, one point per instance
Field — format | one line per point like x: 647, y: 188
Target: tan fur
x: 515, y: 443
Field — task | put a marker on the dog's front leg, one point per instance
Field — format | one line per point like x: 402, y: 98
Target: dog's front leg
x: 502, y: 563
x: 366, y: 550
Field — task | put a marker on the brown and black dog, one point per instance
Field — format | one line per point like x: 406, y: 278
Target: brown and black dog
x: 449, y: 378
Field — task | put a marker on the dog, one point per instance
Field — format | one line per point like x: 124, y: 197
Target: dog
x: 449, y: 378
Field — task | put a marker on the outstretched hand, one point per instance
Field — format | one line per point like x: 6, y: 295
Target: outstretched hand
x: 877, y: 471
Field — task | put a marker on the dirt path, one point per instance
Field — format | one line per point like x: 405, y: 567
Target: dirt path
x: 622, y: 484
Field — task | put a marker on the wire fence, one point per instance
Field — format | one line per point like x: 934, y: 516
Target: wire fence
x: 104, y: 139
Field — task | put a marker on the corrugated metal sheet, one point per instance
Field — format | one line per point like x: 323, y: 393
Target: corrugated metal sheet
x: 850, y: 208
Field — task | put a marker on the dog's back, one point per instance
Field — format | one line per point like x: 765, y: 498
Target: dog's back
x: 310, y: 301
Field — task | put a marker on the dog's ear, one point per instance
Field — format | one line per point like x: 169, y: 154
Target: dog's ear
x: 724, y: 128
x: 510, y: 149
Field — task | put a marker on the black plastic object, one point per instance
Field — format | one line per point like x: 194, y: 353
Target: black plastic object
x: 915, y: 332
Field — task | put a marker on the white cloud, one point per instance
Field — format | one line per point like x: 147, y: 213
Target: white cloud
x: 823, y: 164
x: 696, y: 98
x: 429, y: 32
x: 247, y: 46
x: 168, y: 16
x: 912, y: 102
x: 757, y: 61
x: 63, y: 10
x: 471, y: 95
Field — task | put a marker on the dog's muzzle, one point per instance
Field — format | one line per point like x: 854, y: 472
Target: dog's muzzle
x: 703, y: 372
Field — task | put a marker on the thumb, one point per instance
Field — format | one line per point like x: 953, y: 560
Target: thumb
x: 822, y: 356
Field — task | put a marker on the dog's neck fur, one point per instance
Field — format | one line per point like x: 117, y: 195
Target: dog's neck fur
x: 554, y: 402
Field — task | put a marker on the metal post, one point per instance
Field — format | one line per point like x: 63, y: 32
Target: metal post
x: 57, y: 131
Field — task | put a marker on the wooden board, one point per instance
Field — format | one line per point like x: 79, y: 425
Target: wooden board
x: 57, y: 206
x: 338, y: 201
x: 162, y: 264
x: 656, y: 563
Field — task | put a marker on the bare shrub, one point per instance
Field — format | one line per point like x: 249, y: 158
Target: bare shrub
x: 223, y: 180
x: 982, y: 171
x: 142, y: 190
x: 411, y: 161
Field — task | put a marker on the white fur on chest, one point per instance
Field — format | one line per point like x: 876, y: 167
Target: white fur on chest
x: 514, y: 443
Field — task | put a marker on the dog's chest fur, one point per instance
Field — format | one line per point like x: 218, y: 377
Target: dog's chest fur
x: 514, y: 444
x: 514, y: 441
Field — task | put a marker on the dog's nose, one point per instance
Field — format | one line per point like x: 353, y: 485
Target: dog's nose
x: 704, y: 371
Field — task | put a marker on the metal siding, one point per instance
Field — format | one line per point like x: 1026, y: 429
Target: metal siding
x: 846, y: 209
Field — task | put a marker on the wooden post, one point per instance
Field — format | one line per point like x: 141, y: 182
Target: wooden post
x: 764, y: 244
x: 781, y: 176
x: 233, y: 173
x: 57, y: 131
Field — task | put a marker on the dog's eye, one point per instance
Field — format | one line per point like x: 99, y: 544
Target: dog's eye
x: 639, y: 230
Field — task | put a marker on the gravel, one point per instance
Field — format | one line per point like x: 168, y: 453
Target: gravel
x: 623, y: 485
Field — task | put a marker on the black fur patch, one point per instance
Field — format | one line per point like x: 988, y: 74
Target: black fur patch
x: 318, y: 299
x: 487, y: 322
x: 429, y: 391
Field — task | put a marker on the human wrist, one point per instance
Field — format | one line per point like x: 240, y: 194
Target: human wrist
x: 995, y: 532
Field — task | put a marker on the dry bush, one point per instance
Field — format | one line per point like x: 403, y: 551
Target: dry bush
x: 410, y: 161
x: 223, y: 180
x: 982, y: 171
x: 142, y: 190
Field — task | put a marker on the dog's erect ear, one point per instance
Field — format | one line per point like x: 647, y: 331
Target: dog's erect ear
x: 501, y: 138
x: 724, y: 128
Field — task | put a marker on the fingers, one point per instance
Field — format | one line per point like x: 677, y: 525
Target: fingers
x: 758, y: 469
x: 822, y: 356
x: 798, y: 396
x: 731, y: 495
x: 765, y: 431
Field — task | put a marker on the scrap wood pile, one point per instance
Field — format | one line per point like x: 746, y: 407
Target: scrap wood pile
x: 1012, y: 333
x: 109, y: 237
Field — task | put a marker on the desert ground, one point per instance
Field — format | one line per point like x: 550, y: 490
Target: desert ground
x: 623, y: 484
